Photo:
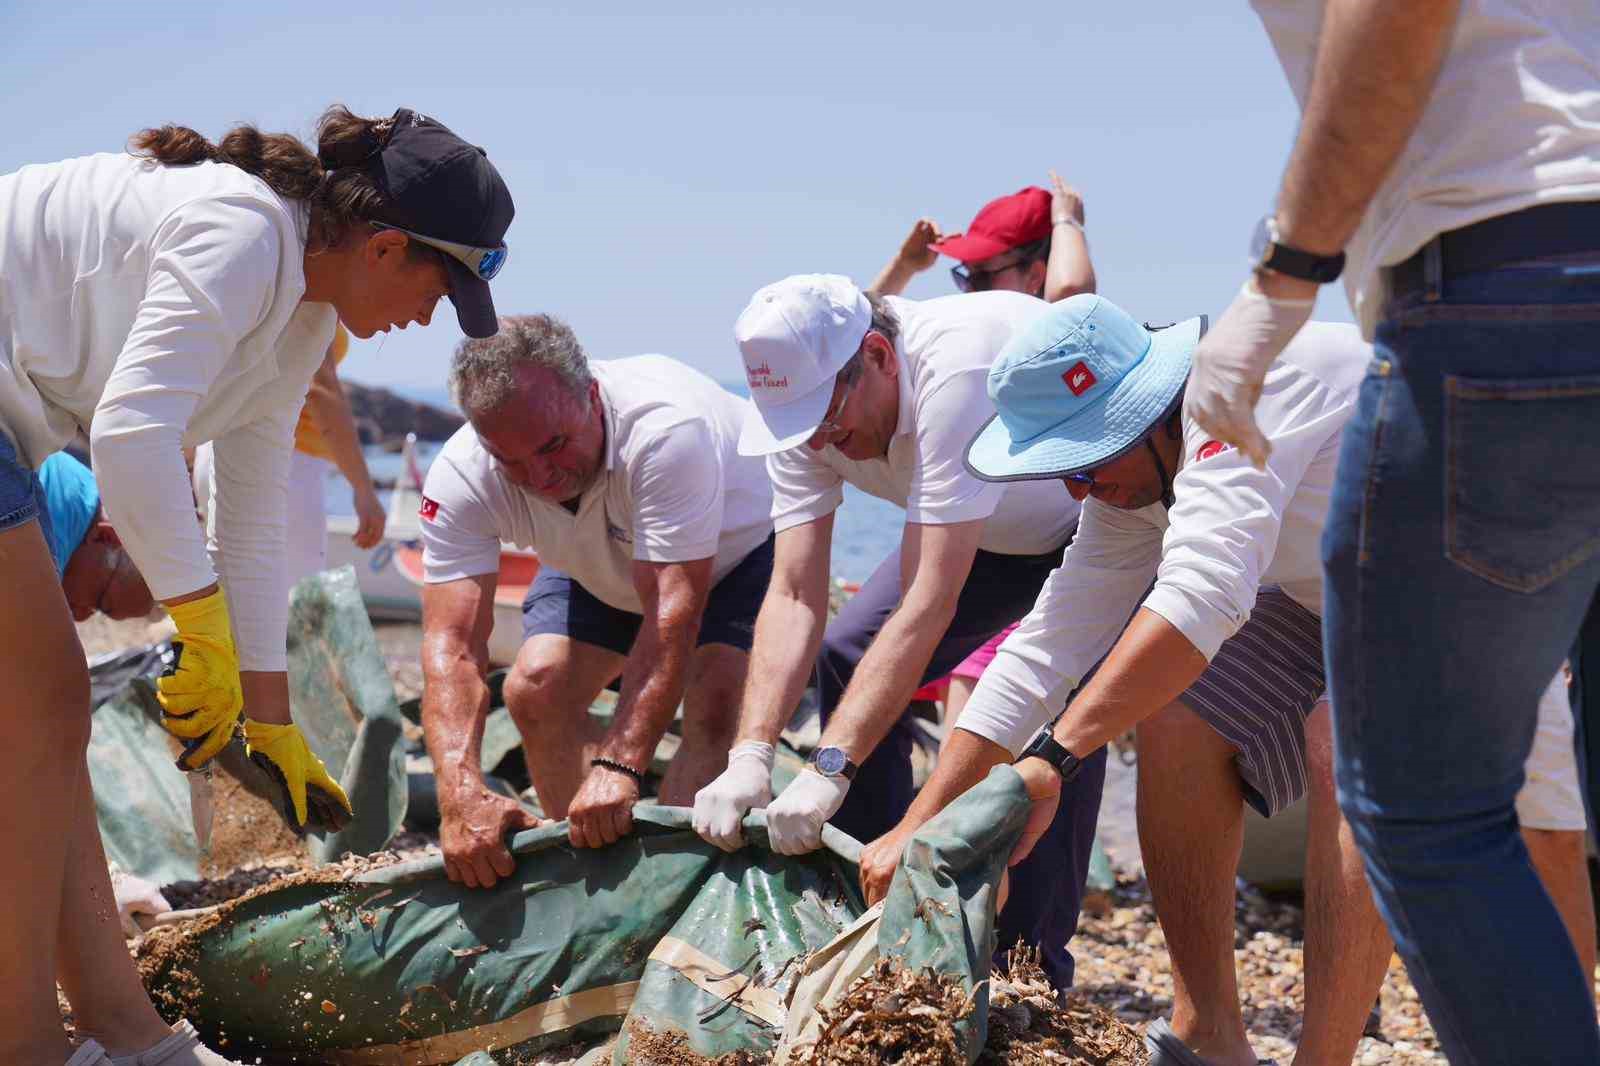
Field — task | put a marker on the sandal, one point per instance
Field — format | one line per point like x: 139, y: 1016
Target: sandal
x: 1167, y: 1050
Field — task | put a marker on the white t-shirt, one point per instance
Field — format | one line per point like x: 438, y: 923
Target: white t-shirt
x: 946, y: 347
x: 154, y: 308
x: 1232, y: 528
x: 673, y: 488
x: 1513, y: 121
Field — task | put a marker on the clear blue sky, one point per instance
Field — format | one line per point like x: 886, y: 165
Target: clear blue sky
x: 668, y: 159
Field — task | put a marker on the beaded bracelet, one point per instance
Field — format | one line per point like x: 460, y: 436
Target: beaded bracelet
x: 624, y: 768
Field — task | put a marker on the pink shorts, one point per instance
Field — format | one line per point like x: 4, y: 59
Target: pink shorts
x: 974, y: 665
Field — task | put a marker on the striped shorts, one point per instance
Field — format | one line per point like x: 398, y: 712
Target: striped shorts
x: 1258, y: 692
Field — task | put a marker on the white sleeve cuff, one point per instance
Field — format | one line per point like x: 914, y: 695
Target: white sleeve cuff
x: 1201, y: 623
x: 1003, y: 710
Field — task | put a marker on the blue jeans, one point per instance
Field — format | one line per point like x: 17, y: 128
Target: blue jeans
x: 1462, y: 551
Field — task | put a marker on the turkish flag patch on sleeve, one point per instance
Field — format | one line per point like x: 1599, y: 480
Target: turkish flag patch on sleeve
x: 1210, y: 448
x: 1079, y: 378
x: 428, y: 510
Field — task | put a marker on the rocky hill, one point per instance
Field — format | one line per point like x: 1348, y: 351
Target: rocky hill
x: 384, y: 417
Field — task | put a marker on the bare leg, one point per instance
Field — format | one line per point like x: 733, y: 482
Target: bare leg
x: 1191, y: 825
x: 1347, y: 945
x: 44, y: 730
x: 548, y: 693
x: 93, y: 965
x: 710, y: 720
x: 1562, y: 864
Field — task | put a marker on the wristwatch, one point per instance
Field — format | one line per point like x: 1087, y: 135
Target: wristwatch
x: 1044, y: 747
x: 833, y: 762
x: 1269, y: 253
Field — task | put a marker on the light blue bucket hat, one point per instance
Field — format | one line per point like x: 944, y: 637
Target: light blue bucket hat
x: 1081, y: 386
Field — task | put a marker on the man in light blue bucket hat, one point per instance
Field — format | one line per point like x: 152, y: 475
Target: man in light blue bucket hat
x: 1196, y: 577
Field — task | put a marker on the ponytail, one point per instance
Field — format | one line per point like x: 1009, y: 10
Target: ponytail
x: 336, y: 183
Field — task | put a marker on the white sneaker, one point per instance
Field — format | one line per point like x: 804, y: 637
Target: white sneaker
x: 89, y: 1053
x: 182, y: 1048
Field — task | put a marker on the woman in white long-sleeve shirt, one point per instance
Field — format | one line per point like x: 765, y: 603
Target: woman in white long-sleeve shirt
x: 181, y: 294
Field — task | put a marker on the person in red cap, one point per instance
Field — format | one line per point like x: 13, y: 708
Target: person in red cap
x: 1031, y: 241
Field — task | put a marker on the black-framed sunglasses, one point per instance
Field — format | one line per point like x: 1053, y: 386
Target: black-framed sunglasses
x: 969, y: 280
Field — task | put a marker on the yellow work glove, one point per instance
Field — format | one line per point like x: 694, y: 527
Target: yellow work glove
x: 281, y: 751
x: 199, y: 693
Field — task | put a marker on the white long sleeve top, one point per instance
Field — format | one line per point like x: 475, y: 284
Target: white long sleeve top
x: 154, y: 308
x: 1231, y: 529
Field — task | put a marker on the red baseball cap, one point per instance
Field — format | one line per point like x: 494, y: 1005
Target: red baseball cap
x: 1003, y: 224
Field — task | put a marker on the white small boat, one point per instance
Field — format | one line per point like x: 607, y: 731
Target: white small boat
x: 390, y: 575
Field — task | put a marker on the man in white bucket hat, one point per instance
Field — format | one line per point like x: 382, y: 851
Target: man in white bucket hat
x: 1196, y: 578
x: 885, y: 393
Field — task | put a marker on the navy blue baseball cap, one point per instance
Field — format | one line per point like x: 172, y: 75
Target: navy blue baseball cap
x: 448, y: 195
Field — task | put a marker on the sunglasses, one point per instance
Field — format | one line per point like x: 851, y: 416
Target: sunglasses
x: 484, y: 262
x: 968, y: 279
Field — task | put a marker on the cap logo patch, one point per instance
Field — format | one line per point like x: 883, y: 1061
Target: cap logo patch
x: 760, y: 377
x: 1079, y: 378
x: 1210, y: 448
x: 429, y: 509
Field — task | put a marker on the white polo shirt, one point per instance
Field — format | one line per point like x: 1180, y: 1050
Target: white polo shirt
x: 154, y: 308
x: 1513, y: 121
x: 673, y: 488
x: 945, y: 349
x: 1232, y: 528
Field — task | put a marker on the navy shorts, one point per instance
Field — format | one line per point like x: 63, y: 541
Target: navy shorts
x: 21, y: 494
x: 558, y: 604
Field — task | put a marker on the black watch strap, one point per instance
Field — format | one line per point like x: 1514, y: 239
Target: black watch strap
x: 1044, y: 747
x: 1306, y: 266
x: 1272, y: 254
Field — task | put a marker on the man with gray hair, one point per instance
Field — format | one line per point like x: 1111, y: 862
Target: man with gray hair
x: 655, y: 544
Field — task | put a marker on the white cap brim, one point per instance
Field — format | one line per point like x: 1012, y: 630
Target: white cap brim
x: 777, y: 429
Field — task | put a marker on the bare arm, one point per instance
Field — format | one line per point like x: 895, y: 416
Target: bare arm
x: 330, y: 410
x: 673, y: 596
x: 964, y: 759
x: 913, y: 258
x: 934, y: 561
x: 788, y: 630
x: 1150, y: 666
x: 456, y: 619
x: 1376, y: 65
x: 1070, y: 270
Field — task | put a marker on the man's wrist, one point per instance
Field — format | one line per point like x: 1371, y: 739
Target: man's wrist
x: 1276, y: 286
x: 619, y: 768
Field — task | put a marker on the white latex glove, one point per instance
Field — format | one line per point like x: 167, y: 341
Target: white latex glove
x: 1231, y: 363
x: 135, y: 895
x: 746, y: 783
x: 794, y: 819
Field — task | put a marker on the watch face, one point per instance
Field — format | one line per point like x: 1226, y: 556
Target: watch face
x: 830, y: 761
